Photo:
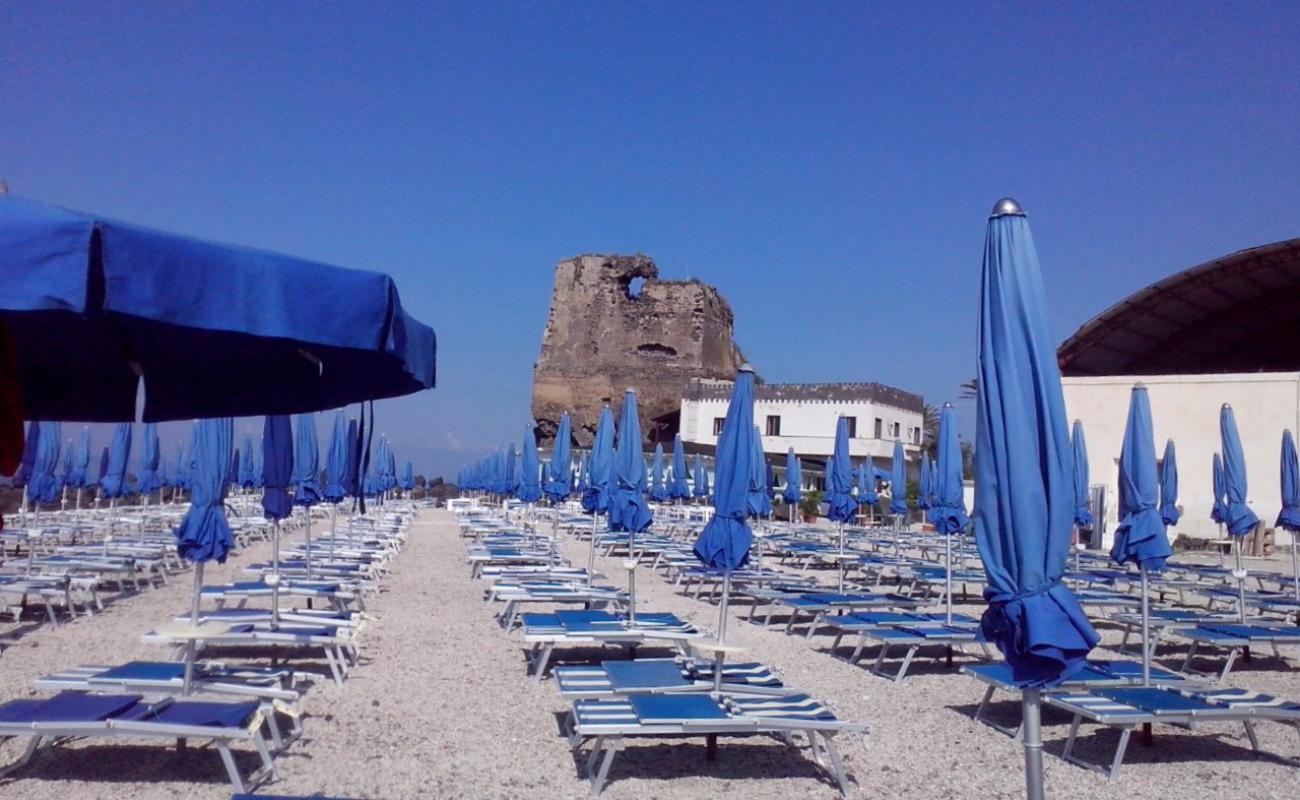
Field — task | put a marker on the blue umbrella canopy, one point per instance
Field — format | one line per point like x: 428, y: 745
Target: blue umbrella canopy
x: 390, y: 466
x: 1024, y: 492
x: 113, y: 483
x: 898, y: 481
x: 233, y: 478
x: 596, y: 498
x: 1219, y: 509
x: 724, y: 542
x: 658, y: 487
x: 150, y: 459
x: 306, y: 462
x: 680, y: 489
x: 277, y: 466
x: 628, y: 510
x: 529, y: 489
x: 28, y: 462
x: 407, y: 482
x: 204, y: 534
x: 1169, y: 485
x: 700, y: 479
x: 81, y: 461
x: 793, y: 491
x: 177, y: 478
x: 44, y: 485
x: 1289, y: 517
x: 1140, y: 537
x: 336, y: 461
x: 924, y: 489
x: 1079, y: 448
x: 103, y: 468
x: 1237, y: 516
x: 867, y: 485
x: 760, y: 504
x: 584, y: 474
x: 509, y: 471
x: 246, y: 465
x: 839, y: 477
x: 180, y: 311
x: 949, y: 511
x: 65, y: 464
x: 559, y: 472
x: 352, y: 473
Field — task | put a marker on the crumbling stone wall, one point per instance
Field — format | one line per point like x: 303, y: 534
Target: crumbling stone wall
x: 604, y: 335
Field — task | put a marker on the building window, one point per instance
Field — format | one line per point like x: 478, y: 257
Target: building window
x: 852, y: 423
x: 880, y: 427
x: 916, y: 436
x: 898, y: 430
x: 717, y: 425
x: 773, y: 425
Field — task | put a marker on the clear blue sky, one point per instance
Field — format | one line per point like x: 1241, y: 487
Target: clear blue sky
x: 828, y: 167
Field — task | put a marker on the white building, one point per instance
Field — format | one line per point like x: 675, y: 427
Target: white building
x: 804, y: 416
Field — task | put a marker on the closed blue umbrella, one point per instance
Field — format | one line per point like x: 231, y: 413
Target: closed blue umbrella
x: 559, y: 472
x: 306, y: 463
x: 1079, y: 448
x: 1169, y: 485
x: 595, y: 500
x: 529, y: 489
x: 103, y: 469
x: 1237, y: 516
x: 867, y: 485
x: 1140, y: 537
x: 628, y: 510
x: 841, y: 507
x: 1219, y: 509
x: 793, y: 492
x: 352, y: 475
x: 25, y: 467
x: 584, y: 474
x: 1024, y: 503
x: 1289, y: 517
x: 509, y: 471
x: 760, y: 505
x: 113, y: 483
x: 336, y: 461
x: 246, y: 464
x: 204, y: 535
x: 700, y: 479
x: 44, y: 485
x: 923, y: 489
x: 658, y: 487
x: 81, y: 462
x: 65, y: 464
x: 949, y: 512
x: 390, y: 467
x: 150, y: 458
x: 898, y: 481
x: 679, y: 489
x: 177, y: 477
x: 257, y: 467
x: 233, y: 477
x: 724, y: 543
x: 277, y: 466
x: 407, y: 481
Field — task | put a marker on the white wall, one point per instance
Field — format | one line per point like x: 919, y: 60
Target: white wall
x: 1186, y: 409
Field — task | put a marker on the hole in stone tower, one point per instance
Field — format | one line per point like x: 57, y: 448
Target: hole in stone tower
x: 634, y: 287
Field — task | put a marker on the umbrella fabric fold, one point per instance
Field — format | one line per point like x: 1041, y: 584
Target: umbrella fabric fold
x: 1289, y: 517
x: 658, y: 487
x: 1079, y: 449
x: 149, y: 460
x: 204, y: 534
x: 949, y: 512
x: 44, y: 485
x: 336, y: 461
x: 841, y: 505
x: 701, y: 478
x: 898, y: 481
x: 1237, y: 516
x: 1219, y: 509
x: 724, y: 542
x: 1140, y: 537
x: 559, y: 472
x: 793, y: 491
x: 529, y: 488
x: 1169, y: 485
x: 924, y: 488
x: 760, y: 505
x: 595, y: 500
x: 628, y: 510
x: 306, y: 462
x: 112, y: 483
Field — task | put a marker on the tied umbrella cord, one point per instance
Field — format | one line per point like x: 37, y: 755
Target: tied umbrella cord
x: 1061, y: 636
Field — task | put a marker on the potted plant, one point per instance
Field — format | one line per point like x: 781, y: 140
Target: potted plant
x: 809, y: 505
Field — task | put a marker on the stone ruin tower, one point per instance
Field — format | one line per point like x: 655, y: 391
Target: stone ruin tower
x: 602, y: 338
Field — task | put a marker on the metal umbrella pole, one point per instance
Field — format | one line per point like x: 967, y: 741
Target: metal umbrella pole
x: 274, y: 579
x: 1240, y: 574
x: 1146, y: 629
x: 841, y: 527
x: 722, y: 631
x: 947, y: 546
x: 1032, y: 732
x: 591, y: 548
x: 630, y: 565
x: 307, y: 512
x: 191, y: 646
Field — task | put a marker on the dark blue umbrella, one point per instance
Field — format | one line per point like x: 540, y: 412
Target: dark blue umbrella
x: 595, y: 500
x: 559, y: 472
x: 246, y: 465
x: 760, y: 505
x: 150, y: 458
x: 44, y: 485
x: 949, y: 512
x: 103, y: 469
x: 658, y: 487
x: 923, y: 488
x: 898, y: 481
x: 233, y: 477
x: 1024, y: 502
x: 680, y: 489
x: 1289, y: 518
x: 1169, y: 485
x: 1079, y: 448
x: 204, y: 535
x: 277, y: 466
x: 1219, y: 509
x: 724, y: 543
x: 1237, y: 516
x: 81, y: 461
x: 529, y: 489
x: 841, y: 506
x: 27, y: 464
x: 700, y: 479
x: 113, y: 483
x: 628, y: 510
x: 177, y: 477
x: 257, y: 466
x: 509, y: 471
x: 306, y: 463
x: 1140, y: 537
x: 867, y: 485
x: 336, y: 461
x: 65, y: 464
x: 793, y: 492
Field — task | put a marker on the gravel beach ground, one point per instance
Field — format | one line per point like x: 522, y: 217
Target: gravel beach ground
x: 441, y: 707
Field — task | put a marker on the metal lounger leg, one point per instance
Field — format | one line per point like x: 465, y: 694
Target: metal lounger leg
x: 598, y: 781
x: 812, y: 626
x: 857, y: 650
x: 232, y: 770
x: 1119, y: 754
x: 837, y: 764
x: 984, y: 703
x: 1250, y: 734
x: 907, y: 662
x: 543, y: 658
x: 1227, y: 665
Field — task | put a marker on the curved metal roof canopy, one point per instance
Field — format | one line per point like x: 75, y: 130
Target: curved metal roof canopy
x: 1239, y: 313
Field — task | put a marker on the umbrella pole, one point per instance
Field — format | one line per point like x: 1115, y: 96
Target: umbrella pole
x: 630, y: 566
x: 1240, y: 574
x: 1295, y: 568
x: 78, y: 506
x: 334, y: 513
x: 722, y: 631
x: 1031, y: 710
x: 307, y: 512
x: 275, y: 573
x: 591, y: 549
x: 841, y: 525
x: 191, y: 645
x: 947, y: 546
x: 1146, y: 629
x: 1074, y: 545
x: 22, y: 509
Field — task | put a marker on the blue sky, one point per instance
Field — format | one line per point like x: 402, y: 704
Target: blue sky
x: 828, y: 166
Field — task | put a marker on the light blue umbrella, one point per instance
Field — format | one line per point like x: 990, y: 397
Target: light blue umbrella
x: 1140, y: 537
x: 898, y: 482
x: 701, y: 478
x: 584, y: 474
x: 1024, y: 501
x: 1219, y: 509
x: 760, y: 505
x: 112, y: 484
x: 724, y: 543
x: 679, y: 489
x: 1169, y: 485
x: 407, y: 481
x: 658, y: 487
x: 793, y: 492
x: 1237, y: 516
x: 27, y: 464
x: 1289, y: 517
x: 559, y: 472
x: 1079, y: 448
x: 841, y: 507
x: 529, y: 489
x: 510, y: 474
x: 628, y: 510
x: 65, y: 467
x: 949, y: 512
x: 596, y: 498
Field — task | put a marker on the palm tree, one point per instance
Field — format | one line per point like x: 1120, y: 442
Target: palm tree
x: 970, y: 389
x: 930, y: 430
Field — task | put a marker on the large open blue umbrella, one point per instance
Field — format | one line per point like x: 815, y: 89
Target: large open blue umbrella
x: 1237, y: 516
x: 1024, y: 501
x: 760, y: 505
x: 1140, y: 537
x: 793, y: 492
x: 949, y: 512
x: 559, y: 472
x: 679, y: 489
x: 700, y: 480
x: 150, y: 458
x: 529, y: 489
x: 595, y: 500
x: 658, y: 486
x: 628, y: 510
x: 1169, y: 485
x: 898, y: 483
x: 1289, y: 517
x: 1218, y: 509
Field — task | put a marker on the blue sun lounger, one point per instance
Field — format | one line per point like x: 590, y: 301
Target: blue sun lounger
x: 545, y: 631
x: 663, y: 675
x: 1235, y: 638
x: 607, y: 723
x: 913, y: 636
x: 81, y: 715
x: 863, y: 622
x: 1126, y: 708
